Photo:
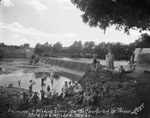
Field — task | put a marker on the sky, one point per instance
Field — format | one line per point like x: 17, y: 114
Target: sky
x: 41, y: 21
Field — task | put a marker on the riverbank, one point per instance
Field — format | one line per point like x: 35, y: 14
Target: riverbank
x: 128, y: 92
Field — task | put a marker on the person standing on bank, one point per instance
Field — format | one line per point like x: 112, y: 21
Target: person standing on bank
x: 31, y: 83
x: 110, y: 60
x: 19, y: 83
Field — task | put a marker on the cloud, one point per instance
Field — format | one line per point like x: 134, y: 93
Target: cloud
x: 64, y: 1
x: 65, y: 7
x: 65, y: 4
x: 37, y: 6
x: 69, y: 35
x: 15, y: 27
x: 6, y: 3
x: 16, y: 36
x: 37, y: 34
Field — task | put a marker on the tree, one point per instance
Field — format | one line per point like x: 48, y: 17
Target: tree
x: 1, y: 54
x: 124, y: 14
x: 57, y: 47
x: 26, y: 45
x: 89, y: 47
x: 38, y: 49
x: 101, y: 50
x: 47, y: 49
x: 75, y: 49
x: 143, y: 41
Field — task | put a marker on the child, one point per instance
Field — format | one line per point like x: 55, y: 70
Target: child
x: 98, y: 67
x: 31, y: 83
x: 121, y: 70
x: 19, y: 83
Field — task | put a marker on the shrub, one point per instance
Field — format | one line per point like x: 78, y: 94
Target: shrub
x: 144, y: 58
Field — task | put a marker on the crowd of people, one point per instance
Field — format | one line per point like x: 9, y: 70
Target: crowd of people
x: 84, y: 96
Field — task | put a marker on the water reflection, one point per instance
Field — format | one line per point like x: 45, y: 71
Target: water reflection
x: 53, y: 80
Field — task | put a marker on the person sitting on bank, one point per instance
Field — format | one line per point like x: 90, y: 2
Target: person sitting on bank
x: 70, y: 89
x: 65, y: 90
x: 93, y: 64
x: 90, y: 97
x: 98, y: 67
x: 86, y: 97
x: 77, y: 88
x: 121, y: 70
x: 95, y: 60
x: 35, y: 98
x: 24, y: 102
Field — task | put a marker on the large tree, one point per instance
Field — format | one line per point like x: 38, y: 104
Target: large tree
x: 143, y: 41
x: 57, y: 47
x: 76, y: 47
x: 124, y: 14
x: 88, y: 47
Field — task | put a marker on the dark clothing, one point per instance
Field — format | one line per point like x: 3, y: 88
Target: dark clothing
x: 35, y: 99
x: 42, y: 82
x: 30, y: 90
x: 132, y: 58
x: 95, y: 61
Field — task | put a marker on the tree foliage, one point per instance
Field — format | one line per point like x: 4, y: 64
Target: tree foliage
x: 57, y: 47
x: 26, y: 45
x: 1, y: 54
x: 143, y: 41
x: 86, y: 50
x: 76, y: 48
x: 124, y: 14
x: 89, y: 46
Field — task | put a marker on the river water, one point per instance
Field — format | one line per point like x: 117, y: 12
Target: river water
x: 54, y: 83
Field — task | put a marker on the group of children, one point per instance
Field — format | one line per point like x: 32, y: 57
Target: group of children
x: 82, y: 96
x: 70, y: 89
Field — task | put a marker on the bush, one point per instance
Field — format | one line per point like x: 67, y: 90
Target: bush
x: 144, y: 58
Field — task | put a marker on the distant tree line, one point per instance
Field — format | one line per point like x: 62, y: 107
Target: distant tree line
x: 7, y: 48
x: 86, y: 50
